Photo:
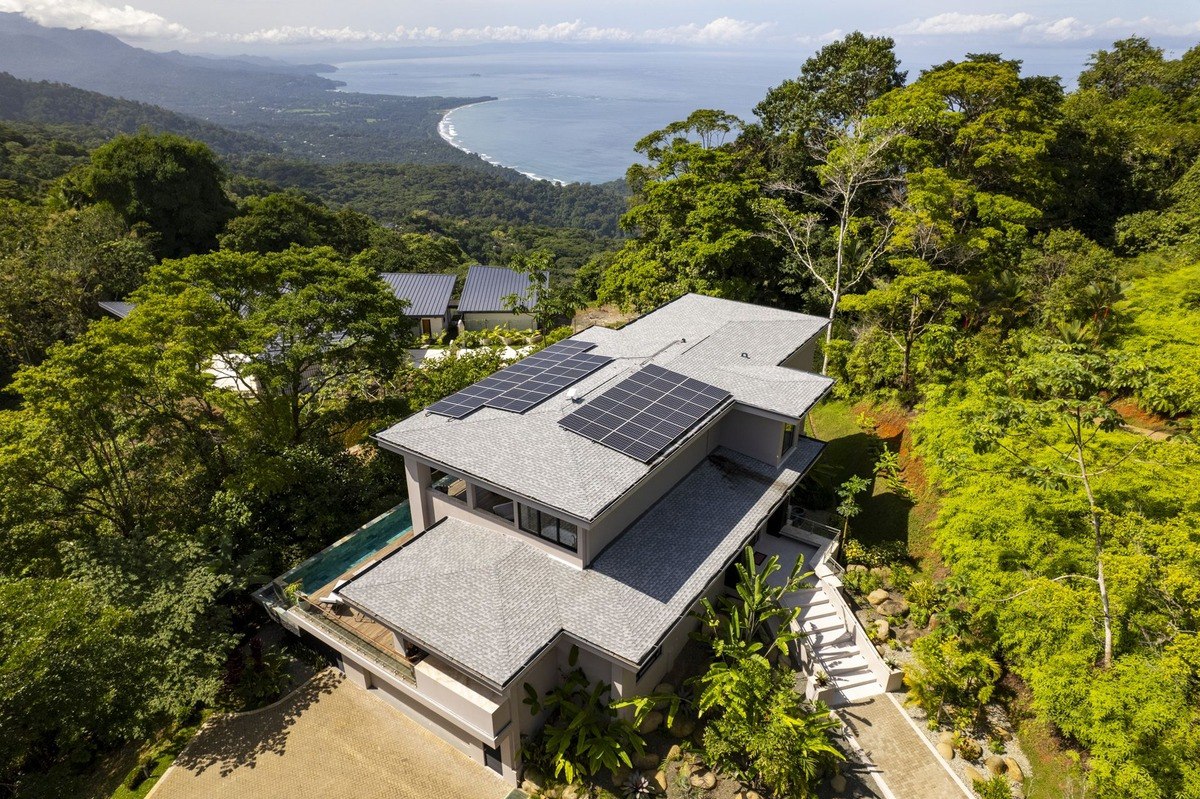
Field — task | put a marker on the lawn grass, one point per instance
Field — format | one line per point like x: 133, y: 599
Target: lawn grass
x: 851, y: 450
x: 1056, y: 775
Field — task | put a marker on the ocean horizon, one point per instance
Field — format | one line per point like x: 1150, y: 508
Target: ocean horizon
x: 574, y: 115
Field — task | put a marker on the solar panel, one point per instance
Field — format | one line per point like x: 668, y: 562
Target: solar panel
x: 526, y: 383
x: 646, y: 412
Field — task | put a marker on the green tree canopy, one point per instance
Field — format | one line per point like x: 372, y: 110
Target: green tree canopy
x: 169, y: 184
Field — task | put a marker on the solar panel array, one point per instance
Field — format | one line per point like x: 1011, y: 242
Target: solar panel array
x: 527, y: 382
x: 646, y: 412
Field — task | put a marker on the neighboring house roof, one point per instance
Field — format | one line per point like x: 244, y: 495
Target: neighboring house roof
x: 117, y: 309
x: 487, y: 286
x: 702, y: 337
x: 427, y: 294
x: 490, y: 602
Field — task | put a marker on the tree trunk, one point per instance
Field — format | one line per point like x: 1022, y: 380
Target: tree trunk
x: 1099, y: 543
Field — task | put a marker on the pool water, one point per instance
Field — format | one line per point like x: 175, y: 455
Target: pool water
x: 324, y: 567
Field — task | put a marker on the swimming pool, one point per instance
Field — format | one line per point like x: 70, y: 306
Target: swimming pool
x: 322, y: 568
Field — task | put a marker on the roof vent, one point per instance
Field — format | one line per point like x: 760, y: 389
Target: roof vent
x: 746, y: 355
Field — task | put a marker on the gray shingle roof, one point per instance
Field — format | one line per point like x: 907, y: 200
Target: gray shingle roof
x: 427, y: 295
x: 117, y: 308
x: 487, y: 286
x: 489, y: 601
x: 702, y: 337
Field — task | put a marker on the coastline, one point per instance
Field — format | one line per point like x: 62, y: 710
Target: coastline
x: 449, y: 135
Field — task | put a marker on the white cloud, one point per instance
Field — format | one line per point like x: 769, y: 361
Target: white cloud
x: 125, y: 21
x: 1030, y: 28
x: 724, y: 30
x: 957, y: 24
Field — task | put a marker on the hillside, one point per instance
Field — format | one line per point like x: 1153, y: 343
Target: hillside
x: 45, y: 103
x: 299, y: 112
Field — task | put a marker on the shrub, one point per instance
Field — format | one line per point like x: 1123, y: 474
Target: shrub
x: 947, y: 675
x: 997, y: 787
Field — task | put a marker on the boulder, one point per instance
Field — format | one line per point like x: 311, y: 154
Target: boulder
x: 895, y: 606
x: 620, y: 774
x: 647, y: 761
x: 994, y: 764
x: 1013, y: 769
x: 908, y: 635
x: 838, y: 783
x: 660, y: 779
x: 973, y: 776
x: 946, y: 750
x: 674, y: 753
x: 664, y: 688
x: 535, y: 779
x: 683, y: 726
x: 753, y: 795
x: 652, y: 722
x: 529, y: 788
x: 878, y: 596
x: 883, y: 630
x: 572, y: 792
x: 946, y: 737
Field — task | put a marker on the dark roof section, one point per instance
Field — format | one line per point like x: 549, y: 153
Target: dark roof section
x: 487, y: 286
x: 427, y: 294
x: 117, y: 308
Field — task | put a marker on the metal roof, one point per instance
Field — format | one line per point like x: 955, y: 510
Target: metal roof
x: 427, y: 294
x: 487, y: 286
x: 117, y: 308
x: 490, y: 602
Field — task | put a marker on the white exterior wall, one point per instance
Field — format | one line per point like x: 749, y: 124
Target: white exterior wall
x: 486, y: 321
x: 804, y: 358
x: 750, y: 434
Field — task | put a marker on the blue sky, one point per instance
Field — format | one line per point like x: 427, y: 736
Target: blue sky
x: 1050, y: 32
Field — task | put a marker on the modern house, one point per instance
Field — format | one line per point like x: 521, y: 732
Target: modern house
x: 117, y: 308
x: 588, y: 496
x: 428, y: 298
x: 481, y: 304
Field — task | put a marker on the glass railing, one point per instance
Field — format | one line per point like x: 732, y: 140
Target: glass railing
x: 389, y: 660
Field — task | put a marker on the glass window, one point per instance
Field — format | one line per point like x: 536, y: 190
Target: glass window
x: 448, y: 484
x: 548, y: 527
x: 789, y: 438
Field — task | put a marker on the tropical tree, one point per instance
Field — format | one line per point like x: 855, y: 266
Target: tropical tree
x: 1050, y: 416
x: 910, y: 306
x: 169, y: 184
x: 584, y: 734
x: 548, y: 301
x: 693, y: 219
x: 758, y: 725
x: 850, y: 162
x: 947, y: 676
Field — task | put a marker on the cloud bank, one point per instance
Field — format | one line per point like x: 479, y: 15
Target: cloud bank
x: 124, y: 21
x: 1033, y: 29
x: 724, y: 30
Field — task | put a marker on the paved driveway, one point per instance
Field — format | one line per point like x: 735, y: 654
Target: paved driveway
x: 329, y: 740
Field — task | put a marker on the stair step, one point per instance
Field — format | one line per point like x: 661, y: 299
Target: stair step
x: 848, y: 665
x: 820, y: 625
x: 844, y: 681
x: 834, y: 638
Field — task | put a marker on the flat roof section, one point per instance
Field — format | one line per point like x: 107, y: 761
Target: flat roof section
x: 489, y: 602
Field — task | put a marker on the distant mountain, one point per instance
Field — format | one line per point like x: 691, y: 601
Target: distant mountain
x: 298, y: 111
x: 46, y: 103
x: 93, y: 60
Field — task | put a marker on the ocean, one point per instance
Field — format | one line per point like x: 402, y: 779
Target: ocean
x: 574, y: 115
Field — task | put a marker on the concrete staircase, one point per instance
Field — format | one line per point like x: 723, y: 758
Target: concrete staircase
x: 833, y: 649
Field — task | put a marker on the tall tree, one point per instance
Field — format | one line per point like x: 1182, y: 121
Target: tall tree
x: 850, y: 162
x: 908, y: 307
x: 1050, y: 418
x: 693, y: 218
x: 169, y: 184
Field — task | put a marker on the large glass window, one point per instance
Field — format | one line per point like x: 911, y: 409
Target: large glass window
x: 495, y: 504
x: 789, y: 438
x: 448, y: 484
x: 549, y: 527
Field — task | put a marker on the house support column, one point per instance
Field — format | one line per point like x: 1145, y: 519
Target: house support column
x: 419, y: 502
